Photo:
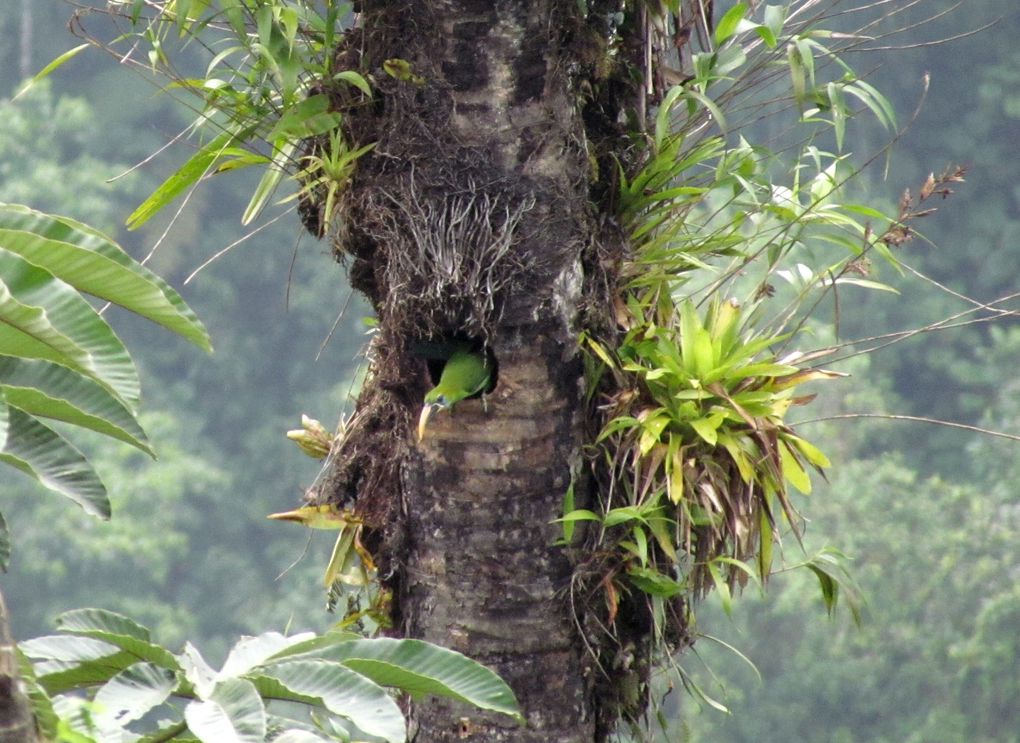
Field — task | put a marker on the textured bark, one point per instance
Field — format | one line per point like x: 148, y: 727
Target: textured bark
x: 483, y: 576
x: 469, y: 220
x: 16, y: 722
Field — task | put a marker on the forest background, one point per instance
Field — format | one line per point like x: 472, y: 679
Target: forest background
x: 930, y: 515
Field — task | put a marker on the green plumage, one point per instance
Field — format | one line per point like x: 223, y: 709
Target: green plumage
x: 466, y: 373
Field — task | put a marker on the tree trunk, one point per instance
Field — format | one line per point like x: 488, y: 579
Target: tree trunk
x: 470, y: 222
x: 16, y: 722
x: 482, y: 575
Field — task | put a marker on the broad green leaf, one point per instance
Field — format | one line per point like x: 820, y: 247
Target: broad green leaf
x: 249, y: 652
x: 117, y: 630
x: 343, y: 692
x: 94, y: 264
x: 42, y: 317
x: 48, y: 390
x: 197, y: 671
x: 80, y: 621
x: 42, y: 706
x: 74, y: 724
x: 327, y: 639
x: 422, y: 668
x: 130, y: 694
x: 233, y: 713
x: 69, y: 648
x: 42, y: 453
x: 63, y: 676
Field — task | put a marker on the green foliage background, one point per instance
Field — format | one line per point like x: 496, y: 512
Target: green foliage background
x: 930, y: 515
x: 189, y: 551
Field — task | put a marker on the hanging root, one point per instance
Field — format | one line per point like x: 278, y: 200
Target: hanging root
x: 461, y: 259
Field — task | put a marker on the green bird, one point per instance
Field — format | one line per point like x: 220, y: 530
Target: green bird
x: 466, y: 373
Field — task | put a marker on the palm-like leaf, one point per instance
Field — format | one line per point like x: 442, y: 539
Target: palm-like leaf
x: 59, y: 359
x: 94, y: 264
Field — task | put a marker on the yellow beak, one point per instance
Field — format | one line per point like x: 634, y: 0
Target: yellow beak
x: 426, y: 412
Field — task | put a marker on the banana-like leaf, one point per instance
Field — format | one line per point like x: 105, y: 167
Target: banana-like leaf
x: 64, y: 663
x: 342, y: 691
x: 65, y: 648
x: 43, y: 317
x: 132, y: 693
x: 48, y: 390
x: 83, y: 621
x: 233, y: 713
x: 42, y: 453
x: 117, y: 630
x: 249, y: 652
x: 422, y: 668
x: 197, y: 671
x: 92, y: 263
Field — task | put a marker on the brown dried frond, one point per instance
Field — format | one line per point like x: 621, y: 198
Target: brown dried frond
x: 900, y: 231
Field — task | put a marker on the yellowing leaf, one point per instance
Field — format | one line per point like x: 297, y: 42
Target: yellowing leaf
x: 811, y: 452
x: 792, y: 469
x: 806, y: 375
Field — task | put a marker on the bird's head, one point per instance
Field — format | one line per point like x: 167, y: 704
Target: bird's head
x: 464, y: 374
x: 434, y: 400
